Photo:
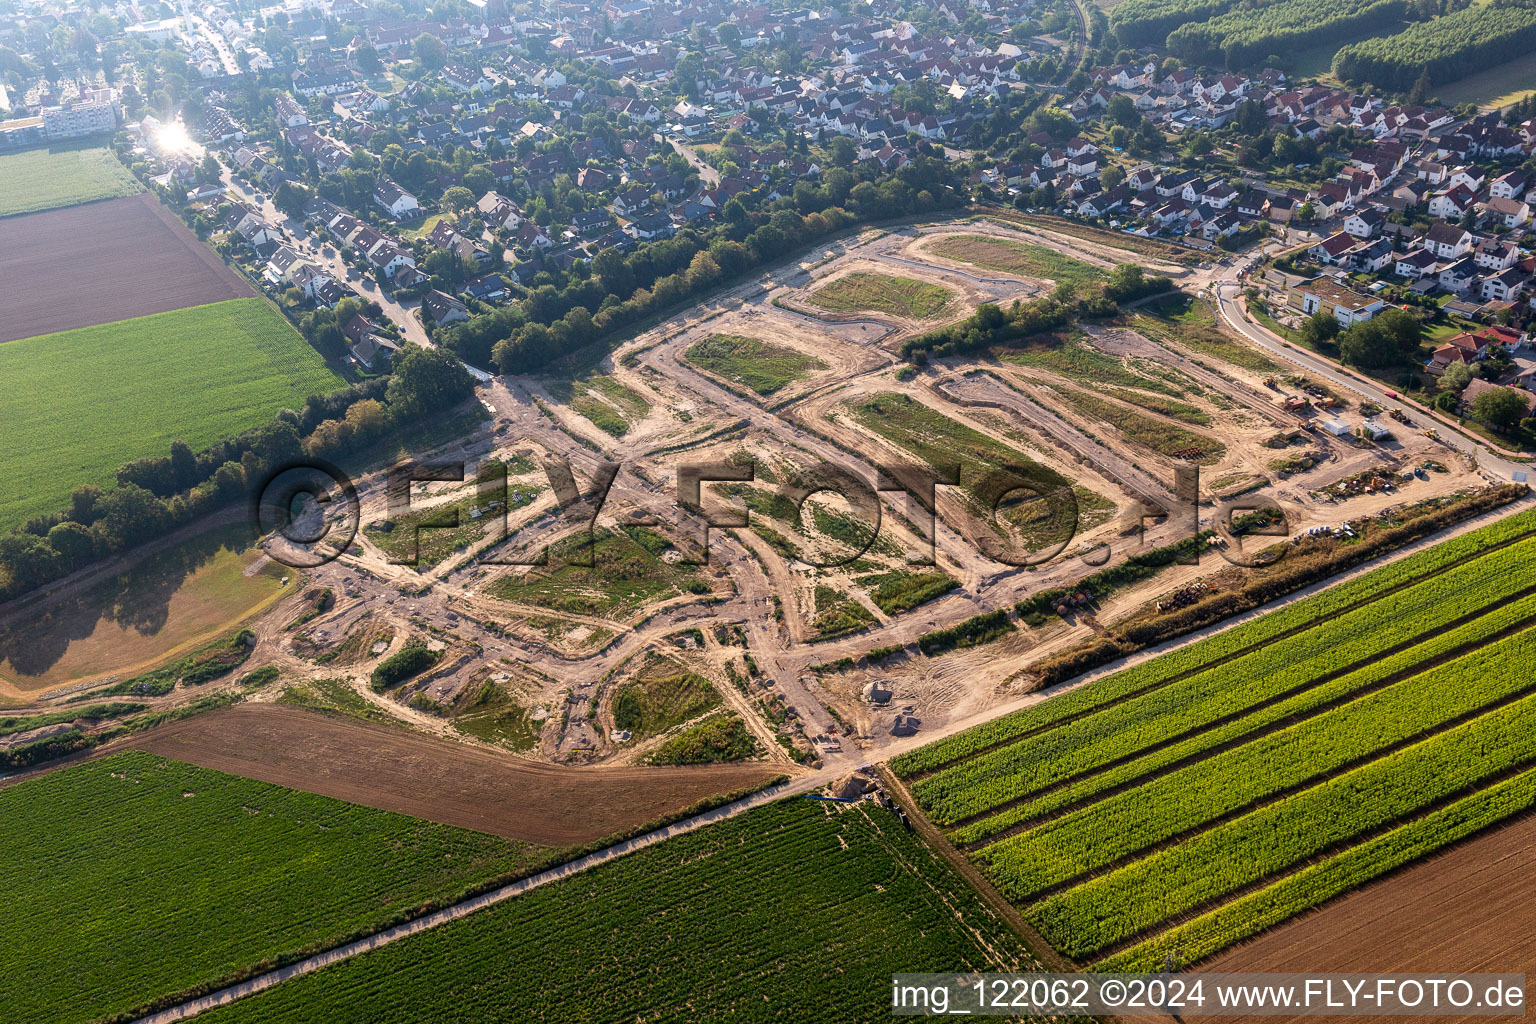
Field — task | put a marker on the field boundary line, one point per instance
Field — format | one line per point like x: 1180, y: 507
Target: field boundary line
x: 457, y: 911
x: 1042, y: 950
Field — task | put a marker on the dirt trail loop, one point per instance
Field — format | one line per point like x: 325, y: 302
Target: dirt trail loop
x: 393, y: 770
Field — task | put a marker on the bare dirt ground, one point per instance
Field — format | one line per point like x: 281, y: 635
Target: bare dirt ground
x: 1466, y: 910
x: 103, y: 262
x: 393, y: 770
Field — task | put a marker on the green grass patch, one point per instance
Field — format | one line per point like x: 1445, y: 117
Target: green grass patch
x: 758, y: 365
x: 62, y: 175
x: 1023, y: 258
x: 1076, y: 360
x: 973, y: 632
x: 837, y: 613
x: 883, y: 293
x: 171, y: 876
x: 660, y: 697
x: 902, y: 590
x: 492, y: 715
x: 79, y: 404
x: 628, y: 572
x: 1183, y: 322
x: 334, y: 696
x: 714, y: 740
x: 1163, y: 438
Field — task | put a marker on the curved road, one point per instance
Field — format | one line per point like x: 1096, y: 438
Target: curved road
x: 1228, y: 294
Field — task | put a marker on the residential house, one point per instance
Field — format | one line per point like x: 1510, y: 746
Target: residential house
x: 443, y: 309
x: 1325, y: 295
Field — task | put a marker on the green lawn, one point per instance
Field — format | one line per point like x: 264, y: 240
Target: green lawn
x: 1012, y: 257
x: 135, y: 877
x: 751, y: 362
x: 64, y: 175
x: 79, y: 404
x: 882, y: 293
x: 792, y: 912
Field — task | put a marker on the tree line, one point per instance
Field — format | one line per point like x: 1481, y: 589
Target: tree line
x: 157, y: 495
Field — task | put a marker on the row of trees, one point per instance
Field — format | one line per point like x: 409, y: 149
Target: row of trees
x: 992, y: 325
x: 1444, y: 49
x: 156, y: 495
x: 570, y: 309
x: 1249, y: 35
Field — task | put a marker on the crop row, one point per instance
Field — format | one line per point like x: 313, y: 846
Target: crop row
x: 1445, y: 49
x: 1009, y: 773
x: 1148, y: 22
x: 1306, y: 614
x: 1315, y: 884
x: 132, y: 878
x: 1127, y: 823
x: 1248, y: 35
x: 1308, y: 702
x: 1113, y: 907
x: 737, y: 921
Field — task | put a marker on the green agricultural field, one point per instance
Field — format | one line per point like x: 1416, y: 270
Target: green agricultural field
x: 1195, y: 799
x: 133, y: 878
x: 1010, y: 257
x: 758, y: 365
x: 883, y: 293
x: 81, y: 403
x: 822, y: 907
x: 62, y: 175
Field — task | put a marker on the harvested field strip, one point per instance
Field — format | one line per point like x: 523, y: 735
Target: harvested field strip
x: 1222, y: 648
x: 1010, y: 257
x: 1282, y: 669
x: 1273, y: 839
x: 1163, y: 438
x: 648, y: 937
x: 1317, y: 883
x: 1172, y: 805
x: 392, y: 769
x: 1124, y: 773
x: 172, y: 877
x: 46, y: 258
x: 883, y: 293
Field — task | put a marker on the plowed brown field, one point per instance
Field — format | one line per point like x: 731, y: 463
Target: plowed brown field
x: 103, y: 262
x: 393, y: 770
x: 1471, y: 909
